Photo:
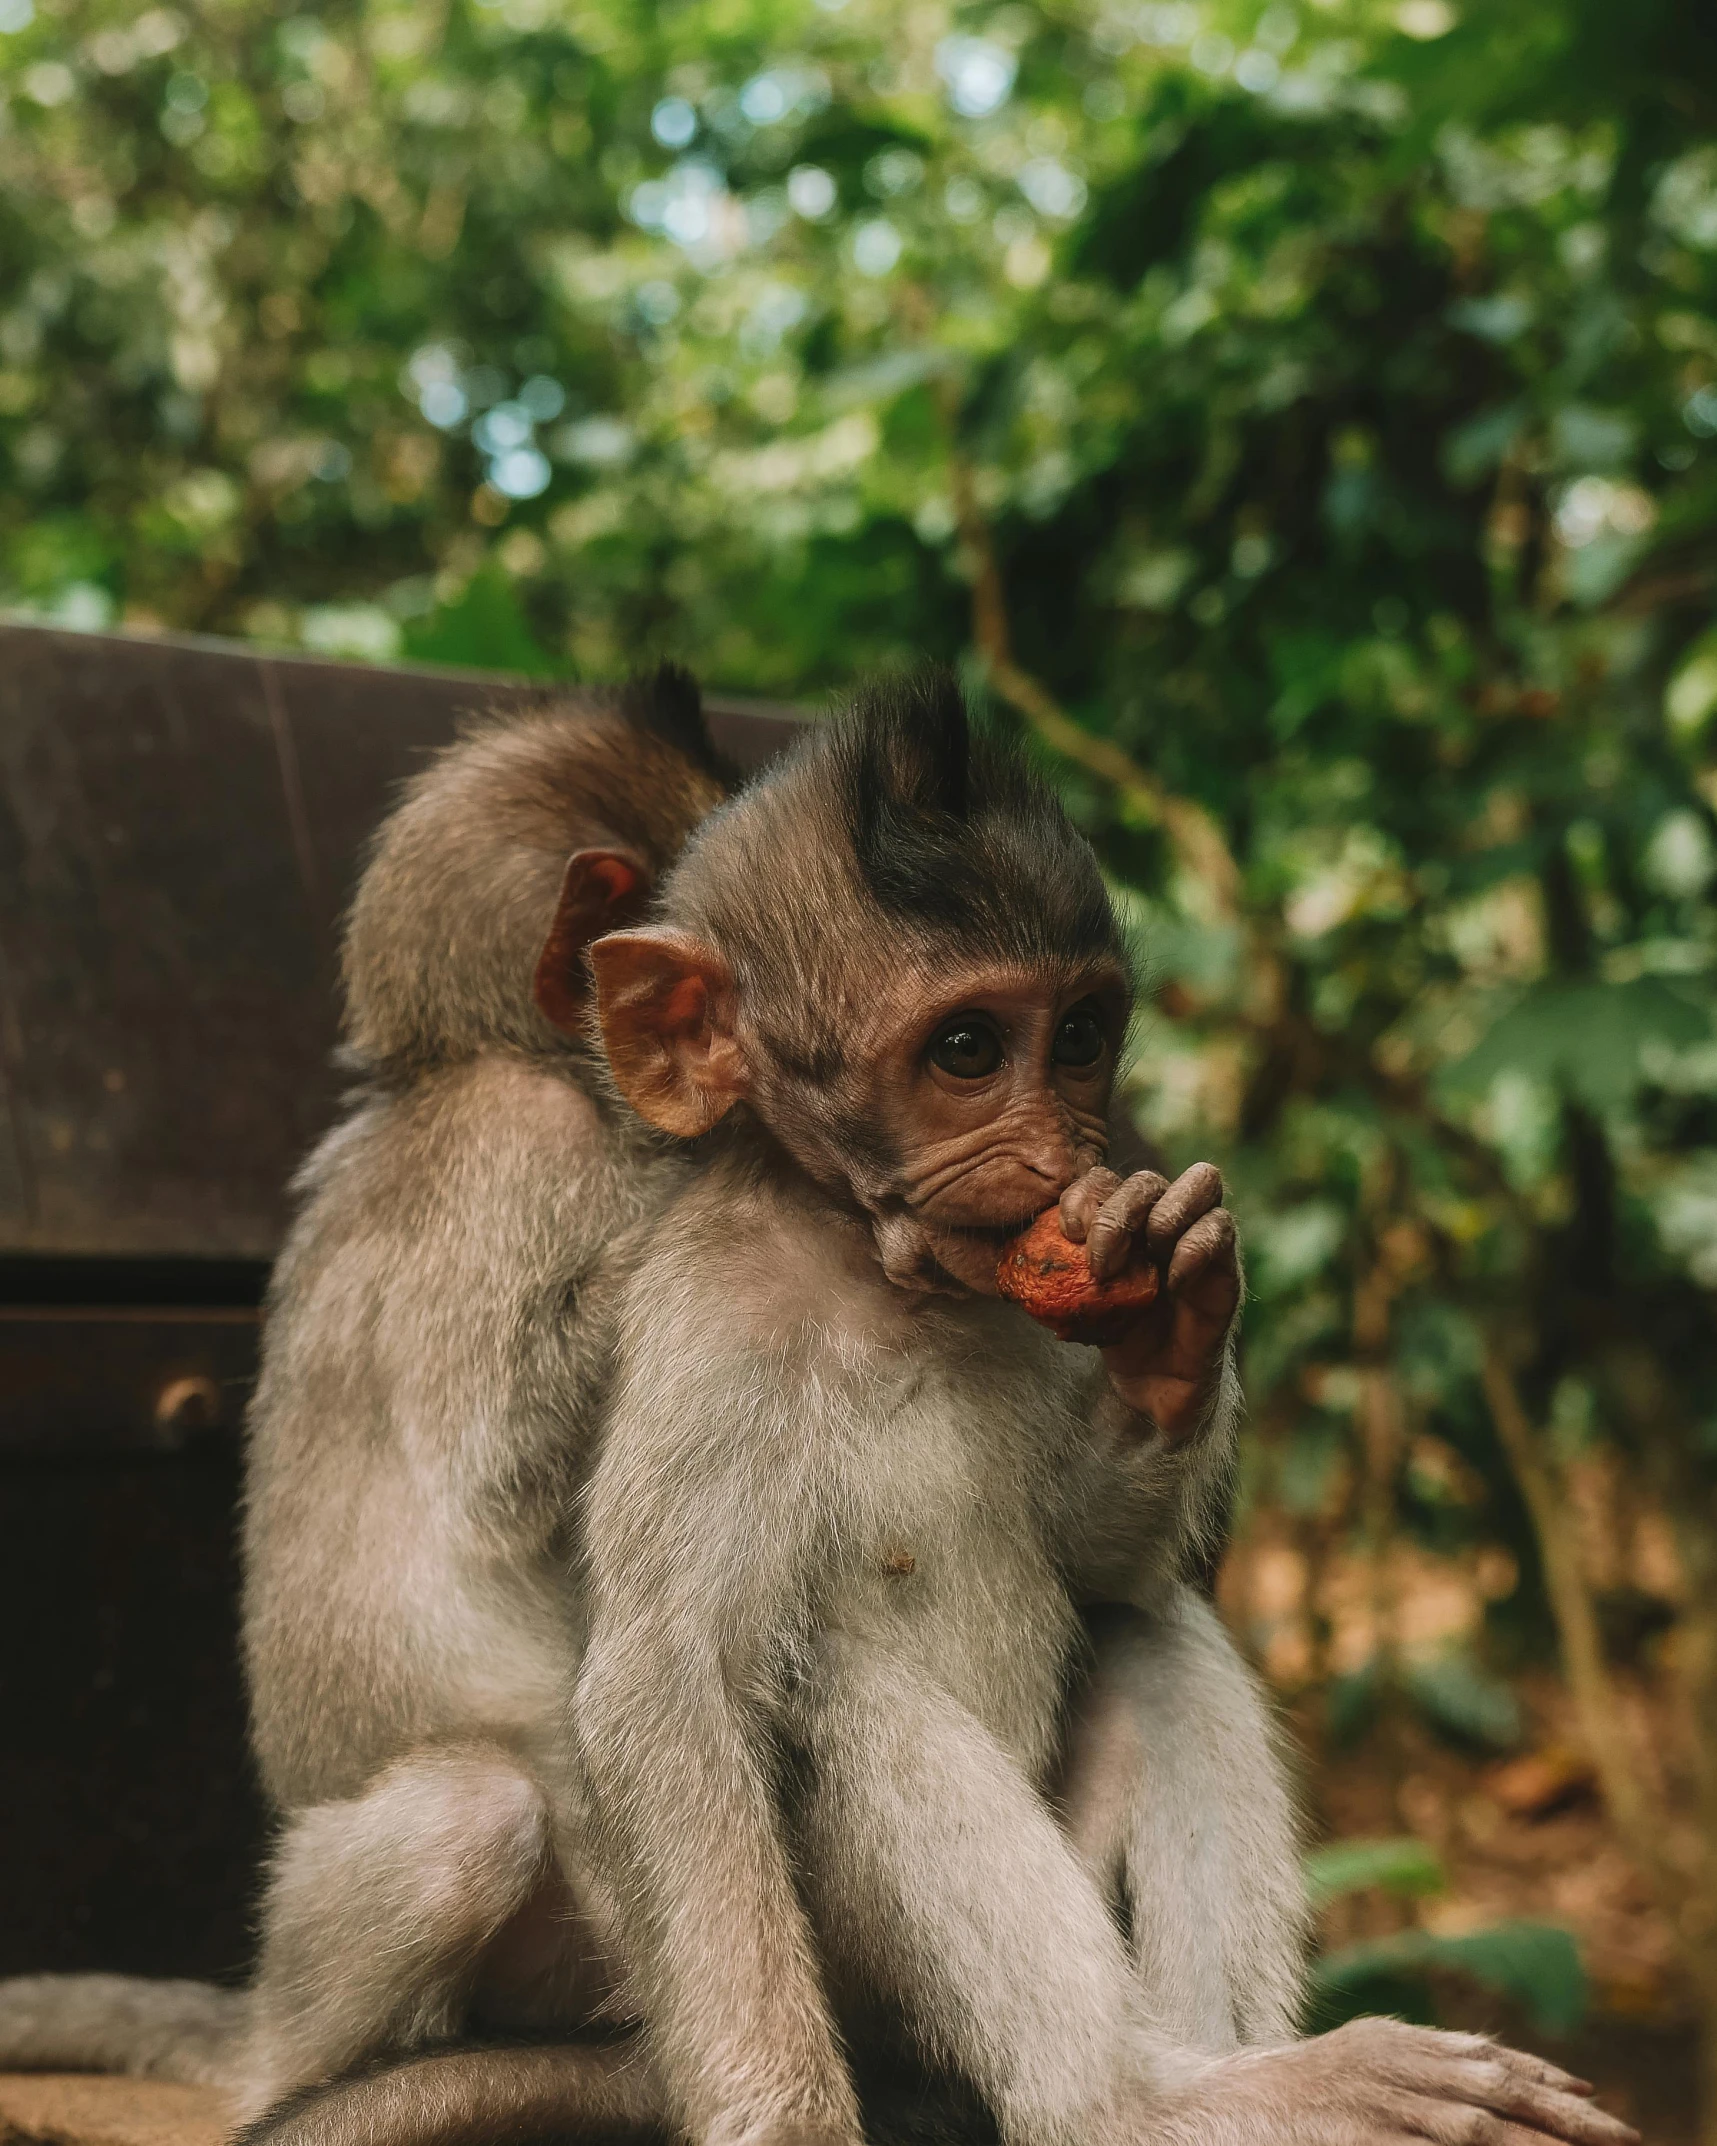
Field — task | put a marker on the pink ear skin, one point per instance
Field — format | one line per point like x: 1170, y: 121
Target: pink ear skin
x: 665, y: 1002
x: 602, y: 888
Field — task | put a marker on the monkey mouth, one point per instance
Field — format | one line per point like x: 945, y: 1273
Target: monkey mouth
x: 922, y: 1250
x: 993, y: 1235
x: 968, y: 1254
x: 997, y: 1234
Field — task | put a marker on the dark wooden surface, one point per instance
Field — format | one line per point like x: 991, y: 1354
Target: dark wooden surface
x: 181, y: 824
x: 180, y: 828
x: 131, y: 1830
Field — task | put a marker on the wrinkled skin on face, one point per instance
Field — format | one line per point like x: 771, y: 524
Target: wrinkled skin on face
x: 989, y: 1099
x: 998, y: 1100
x: 966, y: 1102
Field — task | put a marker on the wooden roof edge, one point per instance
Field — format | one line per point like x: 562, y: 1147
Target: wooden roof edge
x: 752, y: 706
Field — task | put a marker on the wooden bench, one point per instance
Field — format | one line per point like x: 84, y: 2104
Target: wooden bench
x: 181, y: 825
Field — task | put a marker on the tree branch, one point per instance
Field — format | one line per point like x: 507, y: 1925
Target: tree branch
x: 1194, y: 835
x: 1639, y: 1819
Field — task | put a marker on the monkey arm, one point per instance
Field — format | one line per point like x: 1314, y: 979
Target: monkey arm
x: 933, y: 1858
x: 1138, y: 1513
x: 695, y: 1564
x: 1175, y: 1796
x: 1175, y: 1790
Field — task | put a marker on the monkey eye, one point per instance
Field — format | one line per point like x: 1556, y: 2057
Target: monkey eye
x: 1079, y: 1040
x: 966, y: 1048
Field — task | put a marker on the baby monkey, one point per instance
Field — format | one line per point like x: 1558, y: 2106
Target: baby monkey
x: 434, y: 1360
x: 847, y: 1509
x: 848, y: 1501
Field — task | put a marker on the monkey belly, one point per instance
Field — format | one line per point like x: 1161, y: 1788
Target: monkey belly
x: 948, y: 1581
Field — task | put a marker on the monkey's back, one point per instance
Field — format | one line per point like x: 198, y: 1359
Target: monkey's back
x: 434, y: 1357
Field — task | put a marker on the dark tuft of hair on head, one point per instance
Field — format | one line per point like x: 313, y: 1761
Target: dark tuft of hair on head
x: 952, y: 829
x: 668, y: 703
x: 904, y: 756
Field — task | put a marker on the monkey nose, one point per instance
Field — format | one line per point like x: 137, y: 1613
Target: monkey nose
x: 1058, y: 1167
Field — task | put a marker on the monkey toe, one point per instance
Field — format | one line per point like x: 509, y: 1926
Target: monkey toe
x: 1514, y: 2093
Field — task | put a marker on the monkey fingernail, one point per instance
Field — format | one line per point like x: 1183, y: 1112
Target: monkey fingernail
x: 900, y: 1564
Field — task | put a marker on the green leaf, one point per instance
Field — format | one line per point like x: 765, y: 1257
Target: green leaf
x: 1293, y: 1245
x: 1586, y: 1039
x: 1462, y: 1699
x: 1472, y: 450
x: 1535, y: 1964
x: 1405, y: 1867
x: 881, y: 379
x: 1340, y: 1989
x: 485, y: 629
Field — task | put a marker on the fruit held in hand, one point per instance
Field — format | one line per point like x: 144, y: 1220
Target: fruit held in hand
x: 1048, y: 1275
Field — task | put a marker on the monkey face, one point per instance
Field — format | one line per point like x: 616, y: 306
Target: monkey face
x: 961, y: 1102
x: 982, y: 1107
x: 897, y: 955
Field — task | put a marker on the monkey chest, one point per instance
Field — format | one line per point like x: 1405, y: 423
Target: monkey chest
x: 946, y: 1578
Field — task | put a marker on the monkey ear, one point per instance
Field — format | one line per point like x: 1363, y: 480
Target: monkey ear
x: 665, y: 1002
x: 602, y: 888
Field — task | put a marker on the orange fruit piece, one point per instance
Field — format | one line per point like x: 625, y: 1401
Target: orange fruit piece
x: 1049, y: 1276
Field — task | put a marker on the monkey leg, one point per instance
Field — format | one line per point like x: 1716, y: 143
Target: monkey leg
x: 939, y: 1880
x: 1176, y: 1801
x: 379, y: 1911
x: 477, y: 2097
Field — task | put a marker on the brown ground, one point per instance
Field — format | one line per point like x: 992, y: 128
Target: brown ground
x: 1527, y: 1838
x: 70, y: 2109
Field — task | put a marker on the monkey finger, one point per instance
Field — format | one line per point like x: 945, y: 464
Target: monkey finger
x: 1480, y: 2049
x: 1448, y: 2124
x: 1110, y: 1237
x: 1082, y: 1200
x: 1208, y: 1243
x: 1508, y: 2091
x: 1195, y: 1192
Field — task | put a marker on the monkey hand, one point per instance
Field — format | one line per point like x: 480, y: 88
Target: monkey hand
x: 1166, y: 1362
x: 1379, y: 2082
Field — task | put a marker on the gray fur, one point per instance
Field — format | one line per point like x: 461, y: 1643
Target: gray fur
x: 837, y: 1541
x: 158, y: 2030
x: 433, y: 1365
x: 456, y: 900
x: 802, y: 1425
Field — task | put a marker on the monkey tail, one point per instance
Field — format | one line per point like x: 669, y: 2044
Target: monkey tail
x: 189, y: 2031
x: 598, y: 2094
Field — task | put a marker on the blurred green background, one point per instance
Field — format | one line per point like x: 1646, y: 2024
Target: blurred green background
x: 1302, y: 422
